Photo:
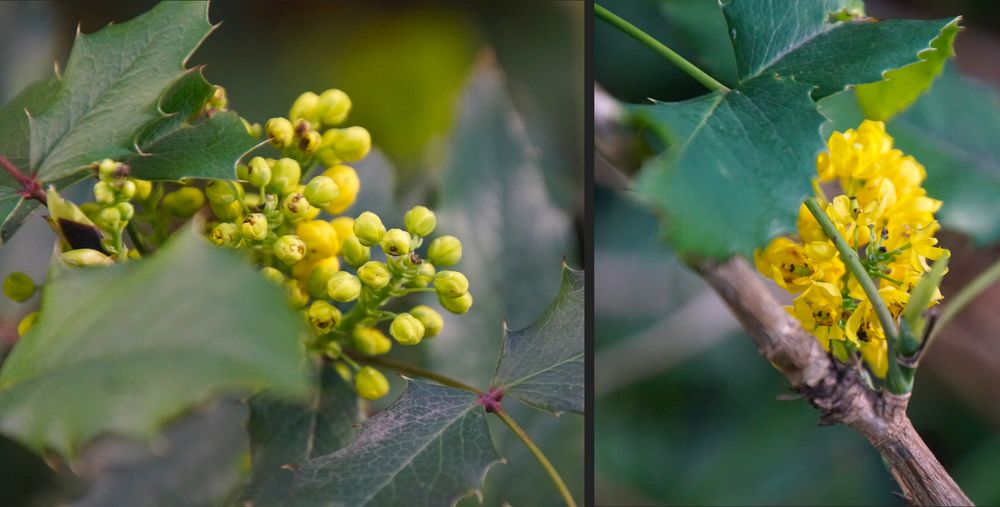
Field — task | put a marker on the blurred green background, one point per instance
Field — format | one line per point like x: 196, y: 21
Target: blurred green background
x: 474, y: 108
x: 687, y: 411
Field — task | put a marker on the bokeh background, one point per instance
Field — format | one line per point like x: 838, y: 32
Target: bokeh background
x: 687, y: 412
x: 475, y: 109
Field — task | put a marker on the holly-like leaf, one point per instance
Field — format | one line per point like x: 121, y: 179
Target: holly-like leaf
x: 122, y: 349
x: 542, y: 364
x: 953, y: 132
x: 284, y: 433
x: 111, y: 87
x: 901, y: 87
x: 753, y: 148
x: 494, y: 198
x: 808, y: 42
x: 432, y: 447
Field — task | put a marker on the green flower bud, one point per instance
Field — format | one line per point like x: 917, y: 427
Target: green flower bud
x: 343, y: 287
x: 226, y: 234
x: 370, y: 383
x: 126, y: 190
x: 258, y: 172
x: 425, y: 275
x: 406, y: 329
x: 445, y: 251
x: 297, y: 295
x: 343, y: 370
x: 310, y: 141
x: 319, y: 279
x: 280, y: 131
x: 109, y: 219
x: 223, y: 192
x: 451, y: 284
x: 323, y: 317
x: 254, y: 227
x: 290, y: 249
x: 333, y: 350
x: 430, y: 318
x: 350, y: 144
x: 305, y: 107
x: 109, y: 170
x: 142, y: 189
x: 19, y: 286
x: 218, y: 100
x: 285, y: 176
x: 295, y: 207
x: 370, y: 341
x: 396, y: 242
x: 126, y: 211
x: 420, y: 221
x: 458, y: 305
x: 334, y: 105
x: 369, y: 229
x: 27, y: 323
x: 82, y: 257
x: 184, y: 202
x: 229, y: 212
x: 104, y: 193
x: 241, y: 171
x: 354, y: 252
x: 374, y: 274
x: 321, y: 191
x: 273, y: 275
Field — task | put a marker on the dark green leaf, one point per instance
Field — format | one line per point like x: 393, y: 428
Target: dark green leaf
x: 542, y: 364
x: 494, y: 199
x: 743, y: 167
x: 122, y: 349
x: 953, y: 132
x: 283, y: 432
x: 111, y: 87
x: 185, y: 98
x: 800, y: 40
x: 432, y: 447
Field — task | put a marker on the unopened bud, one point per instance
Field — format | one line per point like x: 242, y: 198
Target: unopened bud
x: 343, y: 287
x: 374, y: 274
x: 280, y: 131
x: 290, y: 249
x: 285, y: 175
x: 369, y: 229
x: 458, y: 305
x: 445, y: 251
x: 184, y: 202
x: 430, y: 318
x: 420, y: 221
x: 82, y: 257
x: 334, y: 105
x: 406, y: 329
x: 451, y: 284
x: 396, y: 242
x: 18, y: 286
x: 254, y: 227
x: 323, y: 316
x: 321, y: 191
x: 354, y: 252
x: 226, y: 234
x: 370, y: 384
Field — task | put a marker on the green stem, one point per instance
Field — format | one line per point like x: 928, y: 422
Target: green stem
x: 660, y: 49
x: 539, y: 455
x: 969, y: 293
x: 853, y: 263
x: 137, y: 240
x: 410, y: 369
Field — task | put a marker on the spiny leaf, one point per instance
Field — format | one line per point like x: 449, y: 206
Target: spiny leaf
x: 432, y: 447
x: 953, y: 132
x: 753, y: 149
x: 542, y: 364
x: 108, y: 353
x: 804, y: 40
x: 284, y: 433
x: 111, y: 86
x: 882, y: 100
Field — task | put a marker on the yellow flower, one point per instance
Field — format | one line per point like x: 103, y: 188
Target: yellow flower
x: 876, y: 356
x: 347, y: 181
x: 819, y: 311
x: 320, y: 237
x: 785, y: 262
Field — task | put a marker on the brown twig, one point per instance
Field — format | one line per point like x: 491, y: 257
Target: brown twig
x: 30, y: 187
x: 834, y: 388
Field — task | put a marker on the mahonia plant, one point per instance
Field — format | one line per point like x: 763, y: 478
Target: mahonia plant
x: 271, y: 213
x: 882, y: 211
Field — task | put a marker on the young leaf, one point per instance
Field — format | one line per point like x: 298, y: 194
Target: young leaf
x: 284, y: 433
x: 122, y: 349
x: 432, y: 447
x: 494, y: 197
x: 753, y: 148
x: 953, y: 132
x: 542, y: 365
x: 111, y: 86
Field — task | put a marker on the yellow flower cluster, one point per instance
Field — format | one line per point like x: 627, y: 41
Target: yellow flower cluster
x: 884, y: 214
